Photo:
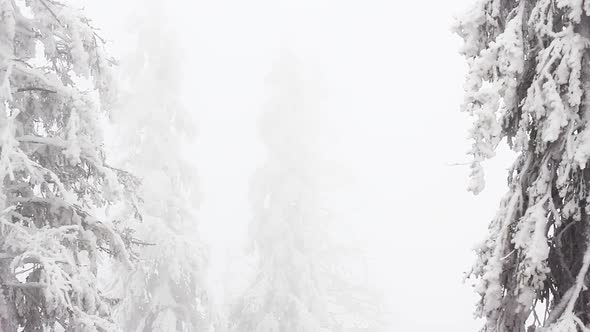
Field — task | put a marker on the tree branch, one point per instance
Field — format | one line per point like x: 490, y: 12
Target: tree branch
x: 35, y: 89
x: 52, y: 13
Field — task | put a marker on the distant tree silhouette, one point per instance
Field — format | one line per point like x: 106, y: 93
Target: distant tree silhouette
x: 302, y: 281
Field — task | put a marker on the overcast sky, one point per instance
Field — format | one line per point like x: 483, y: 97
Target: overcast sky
x: 391, y: 81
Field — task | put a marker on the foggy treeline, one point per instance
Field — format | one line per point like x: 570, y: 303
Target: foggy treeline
x: 294, y: 166
x: 99, y: 225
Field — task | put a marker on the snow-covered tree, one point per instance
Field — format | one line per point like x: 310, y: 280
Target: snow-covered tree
x: 301, y: 282
x: 56, y: 190
x: 528, y: 84
x: 167, y: 290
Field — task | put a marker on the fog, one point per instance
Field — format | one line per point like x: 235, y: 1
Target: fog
x: 387, y: 79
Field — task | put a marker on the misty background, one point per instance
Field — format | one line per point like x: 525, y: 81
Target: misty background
x: 387, y: 82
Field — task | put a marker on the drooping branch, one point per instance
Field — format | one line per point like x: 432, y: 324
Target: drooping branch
x: 528, y: 82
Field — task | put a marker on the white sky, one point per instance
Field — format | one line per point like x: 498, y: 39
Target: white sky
x: 391, y: 79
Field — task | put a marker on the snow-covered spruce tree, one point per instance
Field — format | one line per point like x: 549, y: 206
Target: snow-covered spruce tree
x: 56, y: 187
x: 167, y: 290
x: 529, y: 83
x: 300, y: 283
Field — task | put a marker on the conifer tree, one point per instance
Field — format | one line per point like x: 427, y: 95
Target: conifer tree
x: 167, y: 290
x: 301, y: 281
x: 56, y: 190
x: 528, y: 86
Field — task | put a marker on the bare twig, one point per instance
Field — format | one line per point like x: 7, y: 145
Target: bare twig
x: 52, y: 13
x: 138, y: 242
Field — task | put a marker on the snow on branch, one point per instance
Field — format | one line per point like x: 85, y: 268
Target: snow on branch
x: 529, y: 83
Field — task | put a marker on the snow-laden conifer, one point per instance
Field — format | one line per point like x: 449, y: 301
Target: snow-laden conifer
x: 528, y: 85
x: 56, y: 190
x: 153, y: 133
x: 303, y: 280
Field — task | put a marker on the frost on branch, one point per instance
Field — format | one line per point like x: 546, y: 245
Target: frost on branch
x: 56, y: 188
x: 528, y: 83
